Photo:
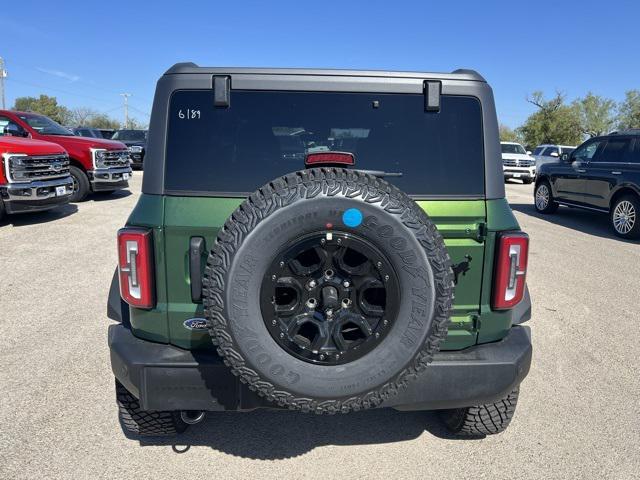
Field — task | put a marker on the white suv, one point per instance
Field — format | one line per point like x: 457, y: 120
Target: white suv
x: 517, y: 162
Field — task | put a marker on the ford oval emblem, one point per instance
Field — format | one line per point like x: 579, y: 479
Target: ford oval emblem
x: 195, y: 324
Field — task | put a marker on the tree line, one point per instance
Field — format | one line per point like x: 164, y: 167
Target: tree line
x: 561, y: 123
x: 76, y: 117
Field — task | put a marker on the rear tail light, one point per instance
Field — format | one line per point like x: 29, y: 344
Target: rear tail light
x: 330, y: 159
x: 510, y: 271
x: 135, y: 267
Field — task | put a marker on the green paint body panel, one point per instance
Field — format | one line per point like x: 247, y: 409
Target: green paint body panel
x: 468, y: 227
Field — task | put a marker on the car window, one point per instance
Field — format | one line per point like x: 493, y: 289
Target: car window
x: 567, y: 150
x: 614, y: 151
x: 549, y: 150
x: 513, y: 148
x: 4, y: 121
x: 538, y: 150
x: 635, y: 155
x: 586, y: 152
x: 263, y: 135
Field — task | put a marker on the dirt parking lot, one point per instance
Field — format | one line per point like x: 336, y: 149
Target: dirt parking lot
x: 577, y: 417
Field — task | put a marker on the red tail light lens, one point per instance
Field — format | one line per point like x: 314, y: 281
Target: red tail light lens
x: 510, y: 271
x: 329, y: 158
x: 135, y: 267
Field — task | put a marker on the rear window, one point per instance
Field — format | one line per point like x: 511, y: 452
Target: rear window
x: 264, y: 135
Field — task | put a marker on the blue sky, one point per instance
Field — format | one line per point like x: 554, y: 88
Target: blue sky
x: 86, y: 53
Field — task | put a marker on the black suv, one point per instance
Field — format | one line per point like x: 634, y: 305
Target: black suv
x: 602, y: 174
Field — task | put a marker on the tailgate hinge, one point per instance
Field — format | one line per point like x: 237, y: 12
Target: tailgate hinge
x: 221, y: 91
x: 432, y: 93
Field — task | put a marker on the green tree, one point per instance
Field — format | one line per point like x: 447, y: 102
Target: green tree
x: 596, y: 114
x: 102, y: 120
x: 509, y: 135
x: 554, y: 122
x: 629, y: 110
x: 44, y: 105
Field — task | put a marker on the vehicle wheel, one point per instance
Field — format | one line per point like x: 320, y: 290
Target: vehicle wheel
x: 625, y: 217
x: 527, y: 181
x: 481, y: 420
x: 353, y: 286
x: 145, y: 423
x: 81, y: 185
x: 543, y: 198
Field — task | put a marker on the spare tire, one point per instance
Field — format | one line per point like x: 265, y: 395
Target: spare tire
x: 327, y: 290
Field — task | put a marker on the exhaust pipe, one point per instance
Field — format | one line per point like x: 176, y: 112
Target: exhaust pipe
x: 192, y: 417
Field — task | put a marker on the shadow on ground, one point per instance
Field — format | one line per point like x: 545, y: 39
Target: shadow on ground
x: 33, y: 218
x: 105, y: 196
x: 585, y: 221
x: 275, y: 434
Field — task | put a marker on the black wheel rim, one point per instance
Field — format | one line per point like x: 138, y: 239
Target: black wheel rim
x: 329, y: 297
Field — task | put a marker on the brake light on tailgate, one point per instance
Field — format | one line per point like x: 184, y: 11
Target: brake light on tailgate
x: 135, y: 267
x: 512, y: 252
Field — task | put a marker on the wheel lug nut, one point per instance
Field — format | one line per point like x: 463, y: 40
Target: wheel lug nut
x: 311, y: 284
x: 311, y: 303
x: 282, y: 335
x: 273, y: 277
x: 377, y: 335
x: 329, y: 313
x: 321, y: 357
x: 386, y: 278
x: 274, y: 322
x: 339, y: 241
x: 346, y: 302
x: 385, y: 322
x: 379, y: 264
x: 346, y: 284
x: 281, y: 264
x: 322, y: 241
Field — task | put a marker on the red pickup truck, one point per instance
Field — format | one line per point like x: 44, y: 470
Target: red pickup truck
x: 34, y: 175
x: 96, y: 165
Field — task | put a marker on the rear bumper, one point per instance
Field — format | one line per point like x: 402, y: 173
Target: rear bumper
x: 164, y: 377
x: 36, y: 196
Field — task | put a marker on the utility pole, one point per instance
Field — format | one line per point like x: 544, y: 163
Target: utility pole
x: 126, y: 96
x: 3, y: 74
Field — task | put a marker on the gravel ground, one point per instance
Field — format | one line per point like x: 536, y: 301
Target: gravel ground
x: 577, y: 417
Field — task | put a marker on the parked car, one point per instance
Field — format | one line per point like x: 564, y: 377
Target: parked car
x: 96, y: 165
x: 34, y: 175
x: 517, y: 162
x: 602, y: 174
x: 330, y: 287
x: 87, y: 132
x: 550, y: 153
x: 136, y: 142
x: 107, y: 132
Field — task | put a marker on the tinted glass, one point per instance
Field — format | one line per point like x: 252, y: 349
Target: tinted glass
x: 550, y: 150
x: 513, y: 148
x: 615, y: 150
x: 44, y: 125
x: 263, y: 135
x: 567, y: 150
x: 586, y: 151
x: 538, y: 150
x: 130, y: 135
x: 4, y: 121
x: 635, y: 156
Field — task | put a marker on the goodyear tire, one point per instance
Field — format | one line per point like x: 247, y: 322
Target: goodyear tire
x: 397, y: 253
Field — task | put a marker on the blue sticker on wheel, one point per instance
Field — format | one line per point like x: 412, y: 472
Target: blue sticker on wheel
x: 352, y: 217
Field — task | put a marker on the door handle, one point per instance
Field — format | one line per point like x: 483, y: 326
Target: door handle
x: 581, y: 170
x: 196, y: 249
x: 615, y: 172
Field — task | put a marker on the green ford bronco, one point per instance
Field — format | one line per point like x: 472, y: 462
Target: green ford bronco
x: 320, y: 240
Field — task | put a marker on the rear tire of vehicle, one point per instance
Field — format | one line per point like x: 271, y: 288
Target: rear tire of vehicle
x: 81, y: 186
x: 527, y: 181
x: 145, y: 423
x: 481, y: 420
x: 625, y: 217
x: 543, y: 198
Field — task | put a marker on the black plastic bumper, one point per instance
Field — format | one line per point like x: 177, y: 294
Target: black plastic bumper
x: 164, y: 377
x: 24, y: 206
